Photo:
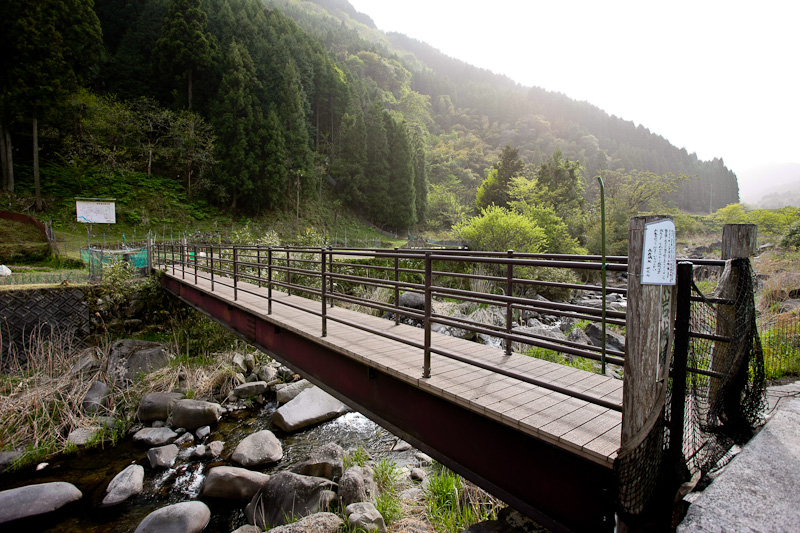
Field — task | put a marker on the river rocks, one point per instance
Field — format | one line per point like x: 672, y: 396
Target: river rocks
x: 184, y: 517
x: 326, y: 461
x: 309, y: 407
x: 96, y: 398
x: 87, y: 362
x: 267, y: 373
x: 192, y: 414
x: 233, y: 483
x: 251, y: 389
x: 129, y: 358
x: 286, y: 392
x: 127, y: 483
x: 155, y: 436
x: 81, y: 436
x: 202, y: 432
x: 287, y: 495
x: 364, y: 516
x: 244, y: 363
x: 259, y: 448
x: 34, y: 500
x: 358, y: 485
x: 7, y: 459
x: 615, y: 341
x: 163, y: 456
x: 413, y: 300
x: 315, y: 523
x: 157, y: 405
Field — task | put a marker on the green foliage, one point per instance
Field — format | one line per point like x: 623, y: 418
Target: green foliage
x: 792, y: 237
x: 495, y: 188
x: 358, y: 457
x: 497, y: 229
x: 451, y: 505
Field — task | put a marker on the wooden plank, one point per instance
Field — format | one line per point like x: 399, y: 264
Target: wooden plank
x: 594, y: 428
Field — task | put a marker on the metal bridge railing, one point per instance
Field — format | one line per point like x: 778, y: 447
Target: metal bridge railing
x: 328, y: 275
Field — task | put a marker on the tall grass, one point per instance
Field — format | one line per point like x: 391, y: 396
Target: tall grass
x: 453, y: 504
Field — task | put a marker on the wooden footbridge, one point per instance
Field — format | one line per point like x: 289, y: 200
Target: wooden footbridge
x: 542, y: 436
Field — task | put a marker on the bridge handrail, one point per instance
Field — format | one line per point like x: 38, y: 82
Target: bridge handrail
x: 316, y: 273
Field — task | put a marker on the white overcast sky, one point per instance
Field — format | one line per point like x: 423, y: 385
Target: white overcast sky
x: 721, y: 79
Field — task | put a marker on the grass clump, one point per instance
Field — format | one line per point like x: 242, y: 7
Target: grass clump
x: 452, y: 504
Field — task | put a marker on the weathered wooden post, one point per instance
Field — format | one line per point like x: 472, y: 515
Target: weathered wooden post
x: 648, y: 342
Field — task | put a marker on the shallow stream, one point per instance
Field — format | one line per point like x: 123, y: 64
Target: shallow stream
x: 92, y: 470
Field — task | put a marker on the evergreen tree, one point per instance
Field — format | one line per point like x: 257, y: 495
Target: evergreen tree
x: 420, y: 175
x: 277, y: 175
x: 238, y: 122
x: 559, y: 186
x: 494, y: 189
x: 376, y: 171
x: 295, y: 129
x: 185, y: 47
x: 400, y: 195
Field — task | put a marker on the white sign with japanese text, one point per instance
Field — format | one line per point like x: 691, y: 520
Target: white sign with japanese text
x: 96, y: 212
x: 659, y: 255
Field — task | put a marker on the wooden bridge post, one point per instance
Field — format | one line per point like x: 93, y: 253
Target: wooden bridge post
x: 648, y: 342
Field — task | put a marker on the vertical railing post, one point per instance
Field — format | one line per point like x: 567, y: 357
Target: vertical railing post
x: 195, y: 264
x: 324, y: 286
x: 235, y: 274
x: 330, y: 270
x: 288, y: 273
x: 678, y: 374
x: 509, y: 293
x: 269, y: 280
x: 426, y: 368
x: 183, y: 259
x: 149, y: 253
x: 172, y: 254
x: 258, y: 262
x: 211, y: 259
x: 396, y: 287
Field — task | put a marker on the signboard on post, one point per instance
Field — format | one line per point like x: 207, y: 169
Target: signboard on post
x: 658, y: 253
x: 96, y: 210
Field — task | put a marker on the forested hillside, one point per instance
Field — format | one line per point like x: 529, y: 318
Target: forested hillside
x: 255, y: 105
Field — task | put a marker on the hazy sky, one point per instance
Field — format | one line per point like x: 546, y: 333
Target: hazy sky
x: 721, y: 79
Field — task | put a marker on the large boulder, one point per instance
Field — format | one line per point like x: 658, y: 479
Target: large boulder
x: 326, y: 461
x: 259, y: 448
x: 615, y: 341
x: 155, y: 436
x: 233, y: 483
x: 82, y: 436
x: 358, y: 485
x: 130, y: 358
x: 309, y: 407
x: 286, y: 496
x: 35, y: 500
x: 251, y: 389
x: 192, y: 414
x: 184, y: 517
x: 413, y: 300
x: 363, y: 516
x: 157, y: 405
x: 127, y: 483
x: 315, y: 523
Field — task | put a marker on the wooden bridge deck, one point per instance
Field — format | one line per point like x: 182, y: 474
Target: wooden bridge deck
x: 584, y: 429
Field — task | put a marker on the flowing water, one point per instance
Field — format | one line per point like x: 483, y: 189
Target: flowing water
x: 92, y: 470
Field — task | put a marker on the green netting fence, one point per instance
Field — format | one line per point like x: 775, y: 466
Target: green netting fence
x: 96, y: 258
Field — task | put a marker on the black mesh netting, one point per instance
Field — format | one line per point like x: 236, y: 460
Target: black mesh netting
x: 724, y: 401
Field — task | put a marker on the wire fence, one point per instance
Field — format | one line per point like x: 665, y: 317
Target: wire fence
x: 780, y: 339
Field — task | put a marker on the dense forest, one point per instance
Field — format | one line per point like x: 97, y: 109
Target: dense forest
x: 253, y: 105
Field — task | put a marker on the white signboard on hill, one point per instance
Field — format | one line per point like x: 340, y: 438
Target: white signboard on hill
x: 96, y: 211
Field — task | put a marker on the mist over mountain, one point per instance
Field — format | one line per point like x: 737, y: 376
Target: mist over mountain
x: 771, y: 186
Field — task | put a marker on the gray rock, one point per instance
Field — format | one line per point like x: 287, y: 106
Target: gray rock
x: 215, y: 448
x: 267, y: 373
x: 285, y: 373
x: 87, y: 362
x: 96, y: 398
x: 127, y: 483
x: 157, y: 405
x: 259, y: 448
x: 400, y: 446
x: 326, y: 461
x: 287, y: 495
x: 315, y: 523
x: 184, y: 517
x: 81, y: 436
x: 309, y: 407
x: 364, y: 516
x: 35, y: 500
x: 423, y: 459
x: 244, y: 362
x: 578, y: 335
x: 412, y: 300
x: 155, y: 436
x: 184, y: 440
x: 286, y: 392
x: 454, y: 331
x: 358, y: 485
x: 163, y: 456
x: 202, y: 432
x: 130, y: 358
x: 251, y: 389
x: 233, y: 483
x: 417, y: 474
x: 615, y: 341
x: 247, y: 528
x: 192, y: 414
x: 7, y: 459
x: 199, y: 451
